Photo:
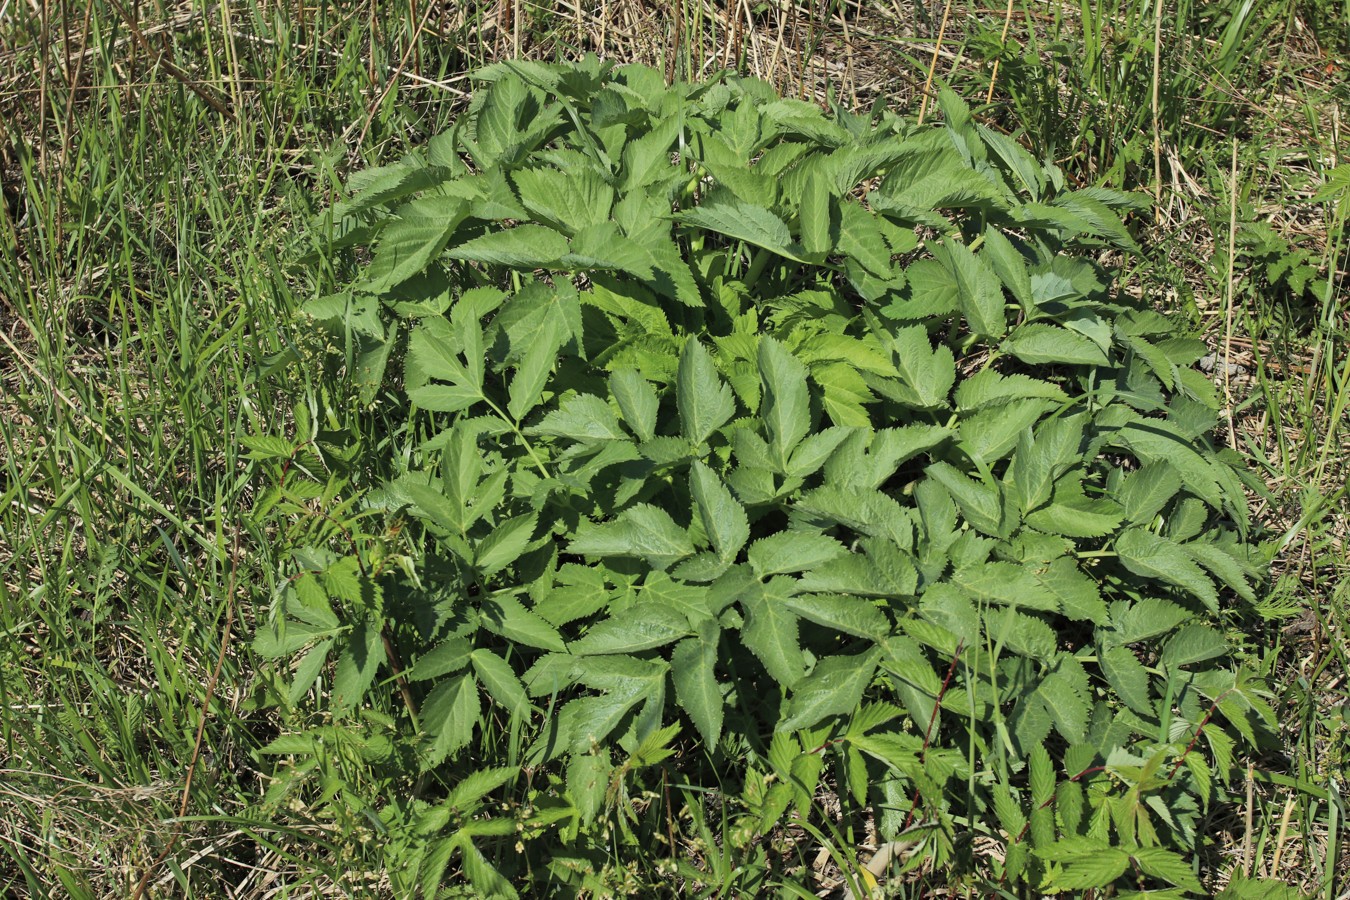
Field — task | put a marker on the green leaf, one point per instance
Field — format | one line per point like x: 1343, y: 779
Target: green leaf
x: 1097, y: 870
x: 1008, y: 265
x: 850, y: 615
x: 566, y: 200
x: 770, y: 632
x: 505, y: 544
x: 1144, y: 493
x: 497, y: 676
x: 1192, y: 644
x: 743, y: 222
x: 834, y: 688
x: 582, y: 417
x: 643, y: 531
x: 860, y: 239
x: 988, y: 387
x: 523, y: 247
x: 990, y: 434
x: 1128, y: 678
x: 449, y: 715
x: 1146, y: 619
x: 1072, y: 514
x: 1067, y: 706
x: 1167, y: 865
x: 814, y: 215
x: 723, y: 518
x: 637, y: 401
x: 410, y: 243
x: 1223, y: 565
x: 1151, y: 556
x: 1006, y: 584
x: 978, y: 292
x: 507, y: 617
x: 640, y: 627
x: 705, y: 403
x: 982, y: 504
x: 357, y: 664
x: 785, y: 408
x: 928, y: 373
x: 1074, y: 590
x: 1037, y: 343
x: 792, y: 551
x: 448, y: 656
x: 532, y: 374
x: 692, y: 669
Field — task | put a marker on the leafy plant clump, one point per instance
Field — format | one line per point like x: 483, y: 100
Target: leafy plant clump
x: 789, y: 454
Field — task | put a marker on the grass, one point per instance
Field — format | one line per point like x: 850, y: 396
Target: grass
x: 156, y: 171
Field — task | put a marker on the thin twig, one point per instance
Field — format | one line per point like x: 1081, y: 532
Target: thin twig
x: 1228, y: 314
x: 169, y: 66
x: 932, y: 64
x: 993, y: 77
x: 1157, y: 129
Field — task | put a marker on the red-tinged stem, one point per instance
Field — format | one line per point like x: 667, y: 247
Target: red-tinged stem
x: 932, y: 721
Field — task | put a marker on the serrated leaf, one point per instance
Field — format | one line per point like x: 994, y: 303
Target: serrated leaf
x: 1192, y: 644
x: 410, y: 243
x: 863, y: 577
x: 1147, y: 554
x: 356, y: 665
x: 1067, y: 707
x: 988, y: 387
x: 834, y: 688
x: 637, y: 401
x: 506, y: 616
x: 1144, y: 493
x: 1024, y: 634
x: 1096, y: 870
x: 987, y: 435
x: 1077, y: 594
x: 792, y: 551
x: 1006, y: 584
x: 928, y: 373
x: 785, y: 408
x: 705, y: 403
x: 723, y: 518
x: 448, y: 656
x: 1224, y: 566
x: 692, y: 669
x: 860, y: 239
x: 981, y: 504
x: 568, y: 200
x: 449, y: 715
x: 978, y: 292
x: 581, y: 417
x: 527, y: 383
x: 850, y: 615
x: 1128, y: 677
x: 641, y: 627
x: 1072, y: 514
x: 643, y: 531
x: 770, y: 632
x: 1167, y: 865
x: 523, y: 247
x: 1146, y: 619
x: 1038, y: 343
x: 504, y: 545
x: 497, y: 676
x: 814, y: 215
x: 743, y: 222
x: 1009, y: 265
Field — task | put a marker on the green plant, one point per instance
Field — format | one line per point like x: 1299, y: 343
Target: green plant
x: 825, y: 435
